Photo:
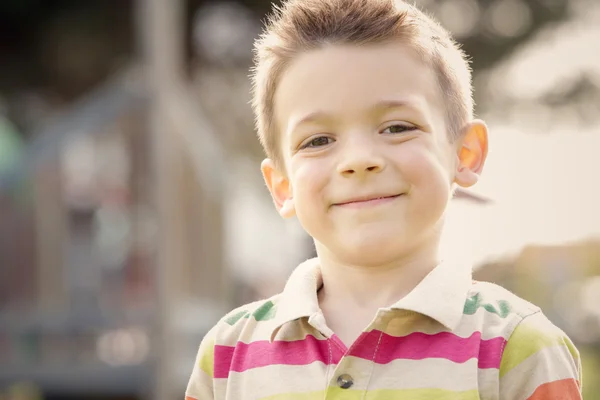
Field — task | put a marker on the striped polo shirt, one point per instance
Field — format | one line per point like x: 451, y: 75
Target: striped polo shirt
x: 450, y: 338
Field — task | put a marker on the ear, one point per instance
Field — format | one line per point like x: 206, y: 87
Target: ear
x: 279, y: 186
x: 471, y: 154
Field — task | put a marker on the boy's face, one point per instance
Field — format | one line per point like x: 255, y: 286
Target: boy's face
x: 368, y: 165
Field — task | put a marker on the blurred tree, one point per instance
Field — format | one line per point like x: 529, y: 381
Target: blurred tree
x: 63, y: 46
x: 10, y: 145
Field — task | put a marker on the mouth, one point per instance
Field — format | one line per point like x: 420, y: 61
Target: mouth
x: 368, y: 201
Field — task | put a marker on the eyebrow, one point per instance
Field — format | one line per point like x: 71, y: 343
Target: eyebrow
x: 392, y: 104
x: 383, y: 105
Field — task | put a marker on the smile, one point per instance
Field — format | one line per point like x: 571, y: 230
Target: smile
x: 368, y: 202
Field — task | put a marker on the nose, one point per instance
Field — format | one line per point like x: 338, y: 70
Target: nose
x: 360, y: 158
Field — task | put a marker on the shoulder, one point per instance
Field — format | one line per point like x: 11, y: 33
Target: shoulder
x: 540, y: 361
x: 498, y: 300
x: 494, y: 311
x: 249, y: 322
x: 523, y: 321
x: 537, y: 341
x: 537, y: 356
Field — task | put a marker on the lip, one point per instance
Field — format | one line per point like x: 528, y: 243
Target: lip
x: 367, y: 201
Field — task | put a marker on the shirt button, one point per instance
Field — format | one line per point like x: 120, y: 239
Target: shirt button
x: 345, y: 381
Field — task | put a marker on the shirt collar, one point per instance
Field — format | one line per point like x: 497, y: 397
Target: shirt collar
x: 440, y: 295
x: 299, y: 297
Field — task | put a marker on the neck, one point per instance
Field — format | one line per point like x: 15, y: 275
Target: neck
x: 372, y: 287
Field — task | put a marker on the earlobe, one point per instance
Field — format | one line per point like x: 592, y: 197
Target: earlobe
x: 288, y: 209
x: 279, y: 187
x: 472, y: 154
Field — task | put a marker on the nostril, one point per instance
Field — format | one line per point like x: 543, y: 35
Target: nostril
x: 371, y: 168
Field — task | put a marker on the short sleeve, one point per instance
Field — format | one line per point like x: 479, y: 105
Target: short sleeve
x: 539, y: 362
x: 200, y: 385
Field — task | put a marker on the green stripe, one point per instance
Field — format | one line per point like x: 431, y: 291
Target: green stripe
x: 502, y: 308
x: 381, y: 394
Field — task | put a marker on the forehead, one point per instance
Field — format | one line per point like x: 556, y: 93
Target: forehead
x: 346, y: 80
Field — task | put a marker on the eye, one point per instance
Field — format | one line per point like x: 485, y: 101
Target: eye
x: 318, y: 141
x: 399, y: 128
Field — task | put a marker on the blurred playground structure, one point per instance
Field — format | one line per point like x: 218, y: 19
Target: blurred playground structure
x: 133, y: 214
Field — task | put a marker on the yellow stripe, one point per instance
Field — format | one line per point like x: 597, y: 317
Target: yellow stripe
x: 525, y: 341
x: 206, y: 361
x: 381, y: 394
x: 573, y: 350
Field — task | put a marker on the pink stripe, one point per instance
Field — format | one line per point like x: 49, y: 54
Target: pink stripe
x: 419, y: 346
x: 262, y: 353
x: 416, y: 346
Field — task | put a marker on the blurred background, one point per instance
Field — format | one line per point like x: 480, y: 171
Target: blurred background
x: 132, y: 210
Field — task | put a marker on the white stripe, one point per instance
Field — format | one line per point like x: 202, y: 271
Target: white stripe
x: 199, y: 385
x: 274, y: 379
x: 489, y: 384
x: 430, y: 373
x: 399, y: 374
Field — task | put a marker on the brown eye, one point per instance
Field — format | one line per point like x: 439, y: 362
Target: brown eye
x: 318, y: 142
x: 398, y: 128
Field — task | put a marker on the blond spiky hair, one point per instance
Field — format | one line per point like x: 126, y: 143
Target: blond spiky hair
x: 302, y: 25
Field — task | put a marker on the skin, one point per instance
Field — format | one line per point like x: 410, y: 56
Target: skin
x: 368, y: 170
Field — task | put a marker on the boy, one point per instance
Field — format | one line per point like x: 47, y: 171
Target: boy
x: 364, y: 110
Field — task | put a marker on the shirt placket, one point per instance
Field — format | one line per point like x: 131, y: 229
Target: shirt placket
x: 350, y: 369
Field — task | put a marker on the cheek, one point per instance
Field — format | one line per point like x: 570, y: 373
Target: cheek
x: 309, y: 187
x: 423, y: 166
x: 308, y: 181
x: 426, y: 172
